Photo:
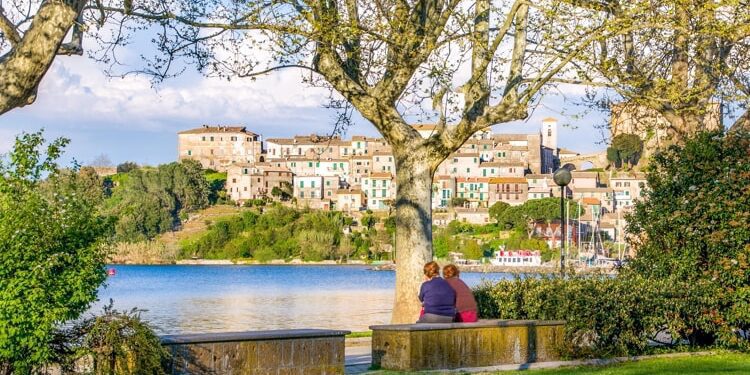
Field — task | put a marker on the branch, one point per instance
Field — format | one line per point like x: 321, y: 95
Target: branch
x: 8, y: 29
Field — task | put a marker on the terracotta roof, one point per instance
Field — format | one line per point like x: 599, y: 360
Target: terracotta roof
x: 538, y: 176
x: 507, y: 180
x: 443, y: 177
x: 217, y: 129
x: 566, y: 151
x: 380, y: 175
x: 590, y: 201
x: 280, y: 141
x: 629, y: 176
x: 549, y: 119
x: 473, y: 179
x: 465, y: 155
x: 501, y: 164
x: 382, y: 153
x: 347, y: 191
x: 270, y: 168
x: 590, y: 190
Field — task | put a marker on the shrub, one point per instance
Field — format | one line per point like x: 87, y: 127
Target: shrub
x: 692, y: 225
x: 605, y: 316
x: 114, y: 343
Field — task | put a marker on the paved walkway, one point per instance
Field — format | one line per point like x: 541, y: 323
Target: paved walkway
x: 358, y: 355
x: 358, y: 359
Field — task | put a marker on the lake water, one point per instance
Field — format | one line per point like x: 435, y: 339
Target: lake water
x: 183, y: 299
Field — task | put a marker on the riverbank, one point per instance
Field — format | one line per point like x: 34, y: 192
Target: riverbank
x: 481, y: 268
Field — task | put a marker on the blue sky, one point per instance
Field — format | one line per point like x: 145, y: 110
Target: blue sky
x: 129, y: 120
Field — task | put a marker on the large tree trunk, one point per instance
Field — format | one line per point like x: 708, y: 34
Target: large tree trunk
x: 25, y: 65
x: 413, y: 230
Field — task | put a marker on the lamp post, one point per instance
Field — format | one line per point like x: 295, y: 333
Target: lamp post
x: 562, y: 178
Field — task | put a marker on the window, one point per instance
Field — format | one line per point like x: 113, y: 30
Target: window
x: 334, y: 166
x: 549, y: 132
x: 248, y: 139
x: 329, y: 193
x: 301, y: 194
x: 232, y: 138
x: 203, y: 138
x: 382, y: 192
x: 309, y: 164
x: 312, y: 194
x: 190, y: 152
x: 312, y: 183
x: 468, y: 170
x: 302, y: 184
x: 234, y: 180
x: 244, y: 171
x: 377, y: 158
x: 328, y: 183
x: 212, y: 139
x: 245, y: 188
x: 317, y: 164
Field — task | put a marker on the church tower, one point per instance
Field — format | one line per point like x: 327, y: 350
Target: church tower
x: 549, y: 133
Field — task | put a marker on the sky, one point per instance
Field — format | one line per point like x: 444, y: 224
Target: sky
x: 127, y: 119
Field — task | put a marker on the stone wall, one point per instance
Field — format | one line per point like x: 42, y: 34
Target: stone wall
x: 302, y: 351
x: 409, y: 347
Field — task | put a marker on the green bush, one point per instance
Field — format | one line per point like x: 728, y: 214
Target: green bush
x: 689, y: 284
x: 114, y: 343
x: 693, y: 225
x: 605, y: 316
x: 51, y: 250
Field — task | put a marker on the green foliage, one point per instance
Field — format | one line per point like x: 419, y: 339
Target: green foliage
x: 52, y: 241
x: 690, y: 282
x: 458, y: 202
x: 126, y: 167
x: 118, y: 342
x: 496, y: 210
x: 149, y: 202
x: 471, y: 249
x: 626, y: 148
x: 535, y: 210
x: 604, y: 316
x: 368, y: 220
x: 278, y: 233
x: 694, y: 220
x: 217, y: 193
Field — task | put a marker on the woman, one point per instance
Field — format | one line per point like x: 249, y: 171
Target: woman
x: 466, y: 305
x: 438, y: 298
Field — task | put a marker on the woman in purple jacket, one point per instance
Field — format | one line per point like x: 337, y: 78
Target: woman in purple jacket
x: 437, y: 296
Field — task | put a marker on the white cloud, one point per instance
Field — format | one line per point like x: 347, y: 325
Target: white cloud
x: 76, y: 89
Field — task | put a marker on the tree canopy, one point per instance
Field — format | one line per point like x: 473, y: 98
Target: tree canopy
x: 52, y: 238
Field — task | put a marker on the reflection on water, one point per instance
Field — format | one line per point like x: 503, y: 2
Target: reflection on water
x: 181, y: 299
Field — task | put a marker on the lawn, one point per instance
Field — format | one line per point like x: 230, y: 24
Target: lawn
x: 724, y: 363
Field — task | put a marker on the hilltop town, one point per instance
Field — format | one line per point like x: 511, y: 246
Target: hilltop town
x: 356, y: 174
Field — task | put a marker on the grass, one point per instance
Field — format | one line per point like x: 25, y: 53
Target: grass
x: 354, y: 335
x: 720, y: 363
x: 723, y: 363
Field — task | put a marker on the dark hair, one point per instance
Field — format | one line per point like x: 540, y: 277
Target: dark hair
x: 450, y: 270
x: 431, y: 269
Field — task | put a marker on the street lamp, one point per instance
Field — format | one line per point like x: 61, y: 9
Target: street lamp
x: 562, y: 178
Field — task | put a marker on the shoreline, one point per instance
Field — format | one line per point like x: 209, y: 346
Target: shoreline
x: 482, y: 268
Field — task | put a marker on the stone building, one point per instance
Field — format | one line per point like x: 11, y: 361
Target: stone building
x: 247, y: 181
x: 218, y: 147
x: 511, y: 190
x: 380, y: 189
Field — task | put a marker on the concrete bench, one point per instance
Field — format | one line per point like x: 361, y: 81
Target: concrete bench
x: 410, y: 347
x: 294, y: 351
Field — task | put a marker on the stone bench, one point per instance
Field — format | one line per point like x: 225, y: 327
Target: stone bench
x: 294, y: 351
x: 410, y: 347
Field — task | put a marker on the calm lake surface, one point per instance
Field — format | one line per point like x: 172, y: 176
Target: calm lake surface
x: 187, y: 299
